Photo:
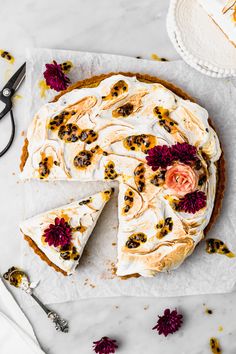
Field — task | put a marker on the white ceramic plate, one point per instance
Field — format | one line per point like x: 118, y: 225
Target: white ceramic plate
x: 199, y: 40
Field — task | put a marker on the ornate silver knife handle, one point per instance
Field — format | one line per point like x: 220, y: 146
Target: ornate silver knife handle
x: 60, y: 324
x: 20, y: 279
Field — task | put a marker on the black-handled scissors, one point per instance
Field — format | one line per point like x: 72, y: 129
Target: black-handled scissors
x: 6, y: 95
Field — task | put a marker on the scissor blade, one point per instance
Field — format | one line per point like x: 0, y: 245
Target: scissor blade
x: 16, y: 80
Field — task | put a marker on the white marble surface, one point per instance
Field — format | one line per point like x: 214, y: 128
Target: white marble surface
x: 135, y: 28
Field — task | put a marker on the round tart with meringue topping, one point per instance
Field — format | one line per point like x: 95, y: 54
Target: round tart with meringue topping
x: 155, y: 141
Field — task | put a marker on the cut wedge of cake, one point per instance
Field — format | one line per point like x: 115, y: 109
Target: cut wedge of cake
x: 59, y: 236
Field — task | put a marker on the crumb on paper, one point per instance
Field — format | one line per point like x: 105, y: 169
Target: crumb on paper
x: 16, y: 98
x: 110, y: 272
x: 146, y: 307
x: 156, y: 57
x: 89, y: 283
x: 22, y: 133
x: 220, y: 328
x: 43, y: 88
x: 116, y: 307
x: 13, y: 173
x: 113, y: 244
x: 208, y: 311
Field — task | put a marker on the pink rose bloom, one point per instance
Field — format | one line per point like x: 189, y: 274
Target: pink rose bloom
x: 181, y: 179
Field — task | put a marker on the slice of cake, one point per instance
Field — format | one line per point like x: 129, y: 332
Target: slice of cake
x: 59, y: 236
x: 223, y: 13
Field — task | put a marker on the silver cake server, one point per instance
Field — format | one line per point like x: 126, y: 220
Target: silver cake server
x: 19, y: 279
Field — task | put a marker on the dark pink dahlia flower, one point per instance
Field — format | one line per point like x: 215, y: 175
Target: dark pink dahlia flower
x: 55, y: 77
x: 184, y: 152
x: 192, y: 202
x: 169, y: 323
x: 58, y: 234
x: 105, y: 346
x: 159, y: 157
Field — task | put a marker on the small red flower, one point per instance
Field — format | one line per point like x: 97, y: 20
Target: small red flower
x: 192, y: 202
x: 105, y: 346
x: 58, y: 234
x: 169, y: 323
x: 184, y: 153
x: 164, y: 156
x: 55, y: 77
x: 159, y: 157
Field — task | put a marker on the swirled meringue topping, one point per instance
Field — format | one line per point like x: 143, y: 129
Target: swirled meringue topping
x: 105, y: 132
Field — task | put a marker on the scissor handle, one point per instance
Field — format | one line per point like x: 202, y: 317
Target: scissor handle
x: 12, y: 132
x: 6, y: 109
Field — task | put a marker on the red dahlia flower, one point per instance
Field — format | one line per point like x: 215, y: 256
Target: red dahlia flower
x: 169, y: 323
x: 55, y: 77
x: 105, y: 346
x: 58, y: 234
x: 159, y: 157
x: 184, y: 153
x: 192, y: 202
x: 162, y: 156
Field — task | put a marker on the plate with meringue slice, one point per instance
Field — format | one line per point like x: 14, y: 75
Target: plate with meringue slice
x: 204, y: 34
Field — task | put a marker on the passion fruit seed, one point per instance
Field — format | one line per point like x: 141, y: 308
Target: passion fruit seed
x: 69, y: 252
x: 109, y: 172
x: 158, y: 179
x: 45, y: 167
x: 128, y: 200
x: 135, y: 240
x: 164, y: 120
x: 202, y: 180
x: 124, y: 110
x: 58, y: 120
x: 69, y: 133
x: 83, y: 159
x: 117, y: 89
x: 164, y: 227
x: 80, y: 228
x: 66, y: 66
x: 88, y: 136
x: 84, y: 202
x: 6, y: 55
x: 215, y: 346
x: 142, y: 142
x: 139, y: 177
x: 217, y: 246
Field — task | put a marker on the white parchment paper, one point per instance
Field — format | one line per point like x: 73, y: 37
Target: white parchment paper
x: 200, y: 273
